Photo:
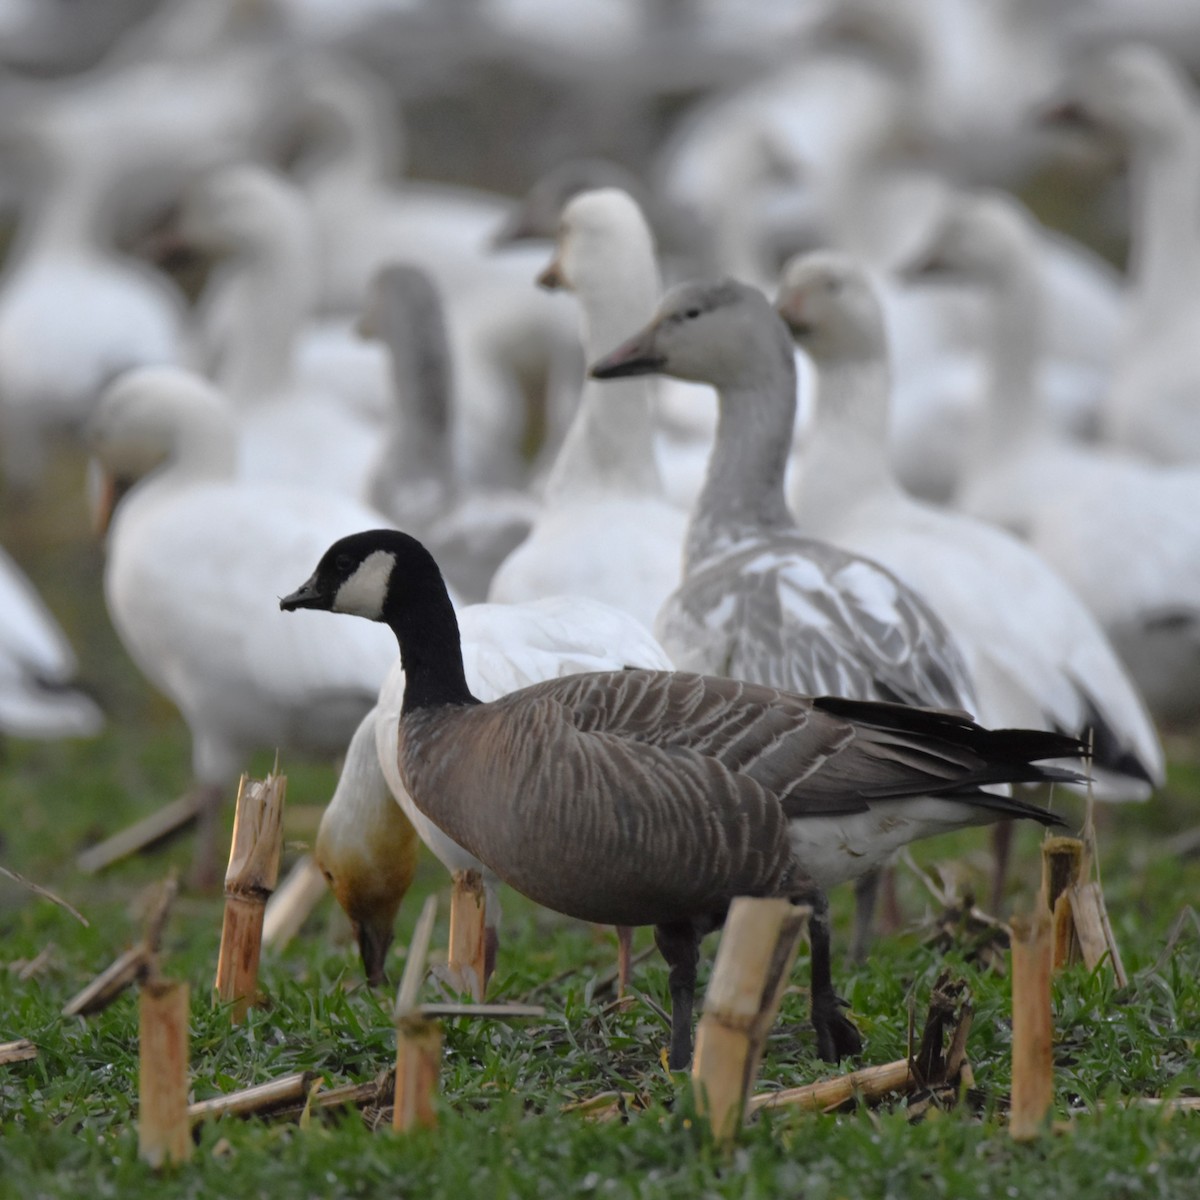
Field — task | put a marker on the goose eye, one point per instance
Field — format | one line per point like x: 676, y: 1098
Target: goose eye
x: 343, y: 562
x: 692, y: 313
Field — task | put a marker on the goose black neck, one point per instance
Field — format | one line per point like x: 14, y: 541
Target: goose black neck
x: 420, y: 614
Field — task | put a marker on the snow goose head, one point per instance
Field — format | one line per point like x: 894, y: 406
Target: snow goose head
x: 831, y: 308
x: 603, y: 243
x: 150, y: 417
x: 1131, y: 94
x: 723, y: 334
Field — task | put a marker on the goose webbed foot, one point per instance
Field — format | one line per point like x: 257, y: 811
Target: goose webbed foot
x: 837, y: 1035
x: 679, y: 945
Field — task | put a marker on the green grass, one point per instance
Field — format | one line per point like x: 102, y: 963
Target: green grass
x: 68, y: 1119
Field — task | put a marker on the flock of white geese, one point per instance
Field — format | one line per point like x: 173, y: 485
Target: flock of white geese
x: 900, y: 443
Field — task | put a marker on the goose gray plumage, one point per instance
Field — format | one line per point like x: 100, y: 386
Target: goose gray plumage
x: 653, y: 797
x: 759, y: 600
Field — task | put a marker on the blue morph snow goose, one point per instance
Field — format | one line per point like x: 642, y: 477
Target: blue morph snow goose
x: 654, y: 797
x: 758, y: 599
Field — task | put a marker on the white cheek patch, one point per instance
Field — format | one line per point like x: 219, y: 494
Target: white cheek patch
x: 364, y: 593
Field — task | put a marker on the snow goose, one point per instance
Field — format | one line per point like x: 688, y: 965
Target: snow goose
x: 415, y: 478
x: 367, y: 848
x: 1139, y: 98
x: 1036, y: 655
x: 243, y: 678
x: 605, y: 529
x: 509, y: 341
x: 38, y: 697
x: 250, y: 319
x: 1085, y: 509
x: 642, y: 797
x: 73, y: 312
x: 759, y: 600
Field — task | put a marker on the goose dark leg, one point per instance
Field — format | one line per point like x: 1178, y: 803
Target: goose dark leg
x: 679, y: 944
x: 866, y: 896
x: 1002, y: 836
x: 836, y: 1034
x: 206, y: 855
x: 624, y: 958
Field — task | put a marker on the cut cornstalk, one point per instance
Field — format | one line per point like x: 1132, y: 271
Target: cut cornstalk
x: 296, y: 897
x: 162, y: 823
x: 1093, y: 930
x: 754, y: 959
x: 868, y: 1083
x: 418, y: 1039
x: 21, y: 1050
x: 1062, y: 864
x: 249, y: 881
x: 467, y: 955
x: 164, y: 1131
x: 261, y: 1098
x: 1032, y: 1025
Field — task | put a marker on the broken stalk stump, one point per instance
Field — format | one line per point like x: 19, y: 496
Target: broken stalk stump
x: 1062, y: 865
x: 754, y: 960
x: 164, y: 1130
x: 1093, y: 931
x: 21, y: 1050
x: 467, y: 953
x: 289, y: 907
x: 418, y: 1039
x: 1032, y: 1026
x: 249, y: 881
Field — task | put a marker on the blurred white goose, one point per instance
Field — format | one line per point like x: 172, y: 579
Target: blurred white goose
x: 1036, y: 655
x: 195, y: 556
x: 1139, y: 98
x: 606, y: 529
x: 1121, y: 531
x: 415, y: 477
x: 508, y: 341
x: 251, y: 317
x: 38, y: 696
x: 73, y: 312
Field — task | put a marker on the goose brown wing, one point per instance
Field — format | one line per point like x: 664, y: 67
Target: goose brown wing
x: 820, y: 757
x: 591, y: 822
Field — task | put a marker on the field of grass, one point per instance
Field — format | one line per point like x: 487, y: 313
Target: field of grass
x: 68, y: 1118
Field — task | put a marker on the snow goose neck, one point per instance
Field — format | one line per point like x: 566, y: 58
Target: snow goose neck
x: 612, y: 796
x: 1036, y: 655
x: 1139, y: 98
x: 37, y: 667
x: 367, y: 848
x: 253, y: 312
x: 243, y: 678
x: 415, y: 477
x: 605, y: 530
